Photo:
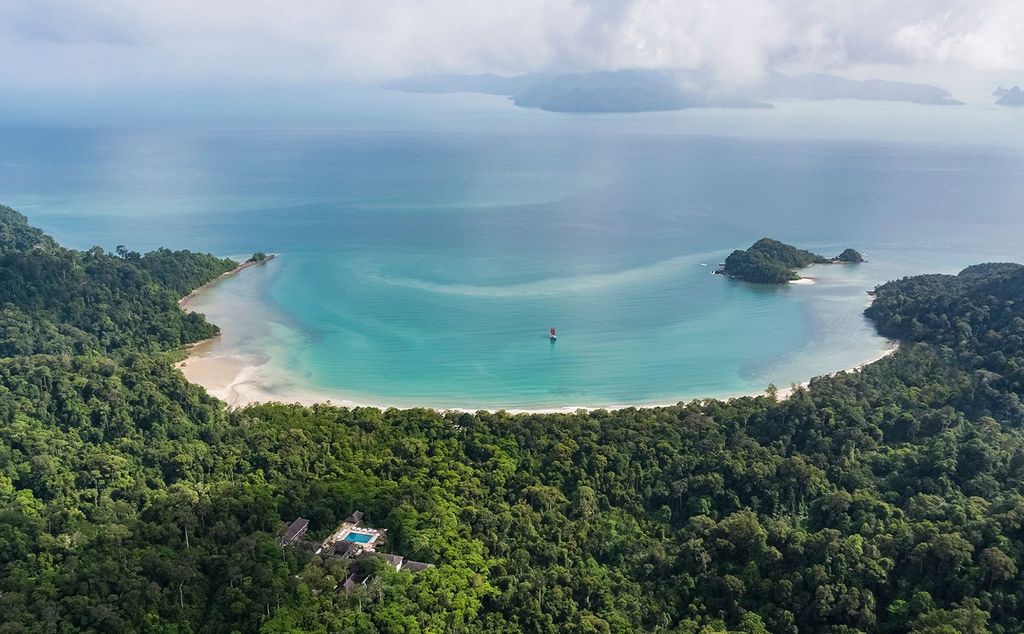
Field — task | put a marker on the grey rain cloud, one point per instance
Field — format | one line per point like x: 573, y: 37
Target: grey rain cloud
x: 96, y: 43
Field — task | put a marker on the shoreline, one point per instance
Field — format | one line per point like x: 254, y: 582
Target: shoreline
x: 802, y: 280
x: 185, y: 302
x: 236, y: 379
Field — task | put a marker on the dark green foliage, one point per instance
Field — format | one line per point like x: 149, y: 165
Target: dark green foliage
x: 259, y: 256
x: 59, y: 301
x: 785, y: 254
x: 183, y: 271
x: 759, y: 268
x: 976, y: 313
x: 850, y: 255
x: 17, y: 235
x: 890, y: 500
x: 769, y: 261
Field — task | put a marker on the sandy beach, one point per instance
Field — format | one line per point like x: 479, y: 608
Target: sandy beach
x: 239, y: 382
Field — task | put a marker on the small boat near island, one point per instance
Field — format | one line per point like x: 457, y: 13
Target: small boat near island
x: 551, y: 335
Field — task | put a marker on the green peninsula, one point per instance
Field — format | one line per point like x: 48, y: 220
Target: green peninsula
x: 769, y: 261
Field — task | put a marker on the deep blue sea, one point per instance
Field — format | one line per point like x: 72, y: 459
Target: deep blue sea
x: 425, y: 252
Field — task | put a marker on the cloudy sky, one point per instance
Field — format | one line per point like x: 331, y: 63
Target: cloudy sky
x: 103, y: 45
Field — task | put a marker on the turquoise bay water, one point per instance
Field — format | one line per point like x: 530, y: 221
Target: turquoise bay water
x: 423, y: 257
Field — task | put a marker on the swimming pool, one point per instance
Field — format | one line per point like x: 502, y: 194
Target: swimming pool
x: 359, y: 538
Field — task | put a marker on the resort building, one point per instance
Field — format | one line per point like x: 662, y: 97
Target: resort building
x: 354, y: 581
x: 399, y: 562
x: 295, y: 531
x: 351, y: 540
x: 344, y: 549
x: 352, y: 532
x: 415, y: 566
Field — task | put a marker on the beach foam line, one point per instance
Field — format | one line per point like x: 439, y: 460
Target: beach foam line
x: 546, y: 287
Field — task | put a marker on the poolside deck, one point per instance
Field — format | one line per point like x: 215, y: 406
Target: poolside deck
x: 366, y: 539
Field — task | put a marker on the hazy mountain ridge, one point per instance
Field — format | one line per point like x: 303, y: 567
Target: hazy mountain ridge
x: 653, y: 90
x: 823, y: 87
x: 1013, y: 97
x: 624, y: 91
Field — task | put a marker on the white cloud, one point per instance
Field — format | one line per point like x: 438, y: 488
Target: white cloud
x: 990, y: 38
x: 734, y: 39
x: 101, y: 43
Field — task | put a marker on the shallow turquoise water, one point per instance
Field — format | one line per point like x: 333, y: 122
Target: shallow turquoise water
x: 423, y: 259
x: 359, y: 538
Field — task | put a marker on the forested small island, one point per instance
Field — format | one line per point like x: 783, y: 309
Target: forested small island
x: 851, y: 256
x: 769, y: 261
x: 885, y: 500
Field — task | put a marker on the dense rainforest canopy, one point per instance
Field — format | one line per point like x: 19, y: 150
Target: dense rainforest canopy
x: 889, y: 500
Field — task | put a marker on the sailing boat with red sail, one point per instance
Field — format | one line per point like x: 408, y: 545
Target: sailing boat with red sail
x: 551, y: 335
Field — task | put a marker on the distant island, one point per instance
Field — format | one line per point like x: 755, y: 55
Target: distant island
x: 1014, y: 97
x: 769, y: 261
x: 602, y: 91
x: 658, y: 90
x: 853, y: 256
x: 624, y: 91
x: 824, y: 87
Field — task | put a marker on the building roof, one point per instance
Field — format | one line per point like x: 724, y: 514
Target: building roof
x: 355, y: 518
x: 415, y: 566
x: 343, y: 548
x: 296, y: 529
x: 353, y: 581
x: 394, y: 560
